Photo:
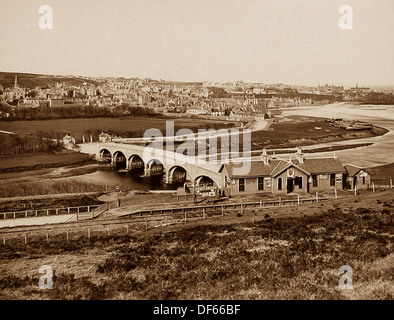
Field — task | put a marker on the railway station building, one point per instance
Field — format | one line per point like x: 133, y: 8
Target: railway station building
x: 274, y: 175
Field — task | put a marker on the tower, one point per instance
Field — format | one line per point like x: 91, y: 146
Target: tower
x: 16, y: 82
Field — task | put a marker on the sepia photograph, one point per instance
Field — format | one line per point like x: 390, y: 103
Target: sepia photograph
x: 194, y: 156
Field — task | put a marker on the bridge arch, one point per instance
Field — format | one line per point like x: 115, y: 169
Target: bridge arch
x: 106, y: 155
x: 135, y: 162
x: 177, y: 174
x: 205, y: 185
x: 120, y: 160
x: 154, y: 167
x: 204, y: 181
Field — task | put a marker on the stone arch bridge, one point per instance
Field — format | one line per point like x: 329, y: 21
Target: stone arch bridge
x: 173, y: 166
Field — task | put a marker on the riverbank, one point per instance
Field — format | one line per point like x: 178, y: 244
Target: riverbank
x: 381, y: 150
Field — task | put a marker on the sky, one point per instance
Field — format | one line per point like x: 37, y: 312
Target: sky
x: 267, y: 41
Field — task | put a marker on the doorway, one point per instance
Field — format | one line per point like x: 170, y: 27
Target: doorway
x: 354, y: 182
x: 290, y: 185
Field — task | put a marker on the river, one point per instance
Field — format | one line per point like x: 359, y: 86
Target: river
x: 125, y: 181
x: 379, y: 153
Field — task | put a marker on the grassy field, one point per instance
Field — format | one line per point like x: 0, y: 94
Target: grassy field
x: 301, y: 131
x: 284, y: 253
x: 51, y: 188
x: 289, y: 132
x: 382, y: 174
x: 129, y: 126
x: 44, y: 160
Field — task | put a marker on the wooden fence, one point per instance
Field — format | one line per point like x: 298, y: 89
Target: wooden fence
x: 140, y: 222
x: 225, y: 206
x: 46, y: 212
x: 18, y: 205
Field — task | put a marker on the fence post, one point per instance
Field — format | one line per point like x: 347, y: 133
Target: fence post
x: 373, y: 187
x: 336, y: 194
x: 391, y: 183
x: 25, y: 239
x: 146, y: 223
x: 3, y: 240
x: 355, y: 190
x: 317, y: 196
x: 26, y: 214
x: 203, y: 213
x: 89, y: 233
x: 67, y: 235
x: 127, y: 228
x: 280, y: 203
x: 47, y: 236
x: 185, y: 217
x: 222, y: 211
x: 261, y: 203
x: 14, y: 215
x: 298, y: 199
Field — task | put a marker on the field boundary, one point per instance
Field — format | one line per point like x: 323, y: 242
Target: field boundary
x: 158, y: 220
x: 48, y: 212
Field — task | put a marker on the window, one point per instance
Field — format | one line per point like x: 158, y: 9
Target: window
x: 314, y: 180
x: 241, y: 184
x: 332, y: 179
x: 298, y: 182
x: 260, y: 183
x: 280, y: 184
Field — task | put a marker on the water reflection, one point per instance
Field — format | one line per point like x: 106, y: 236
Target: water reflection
x: 127, y: 180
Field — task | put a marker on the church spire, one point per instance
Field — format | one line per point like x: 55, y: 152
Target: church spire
x: 16, y: 82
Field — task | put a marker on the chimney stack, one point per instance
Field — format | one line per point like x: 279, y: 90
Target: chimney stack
x: 264, y: 156
x: 300, y: 155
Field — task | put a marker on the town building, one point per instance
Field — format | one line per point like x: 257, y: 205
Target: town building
x: 68, y: 140
x: 273, y: 175
x: 105, y: 137
x: 357, y: 177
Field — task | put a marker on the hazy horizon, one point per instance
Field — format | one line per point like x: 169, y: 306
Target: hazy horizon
x: 266, y: 41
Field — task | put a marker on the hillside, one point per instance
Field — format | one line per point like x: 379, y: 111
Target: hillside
x: 280, y: 253
x: 28, y: 80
